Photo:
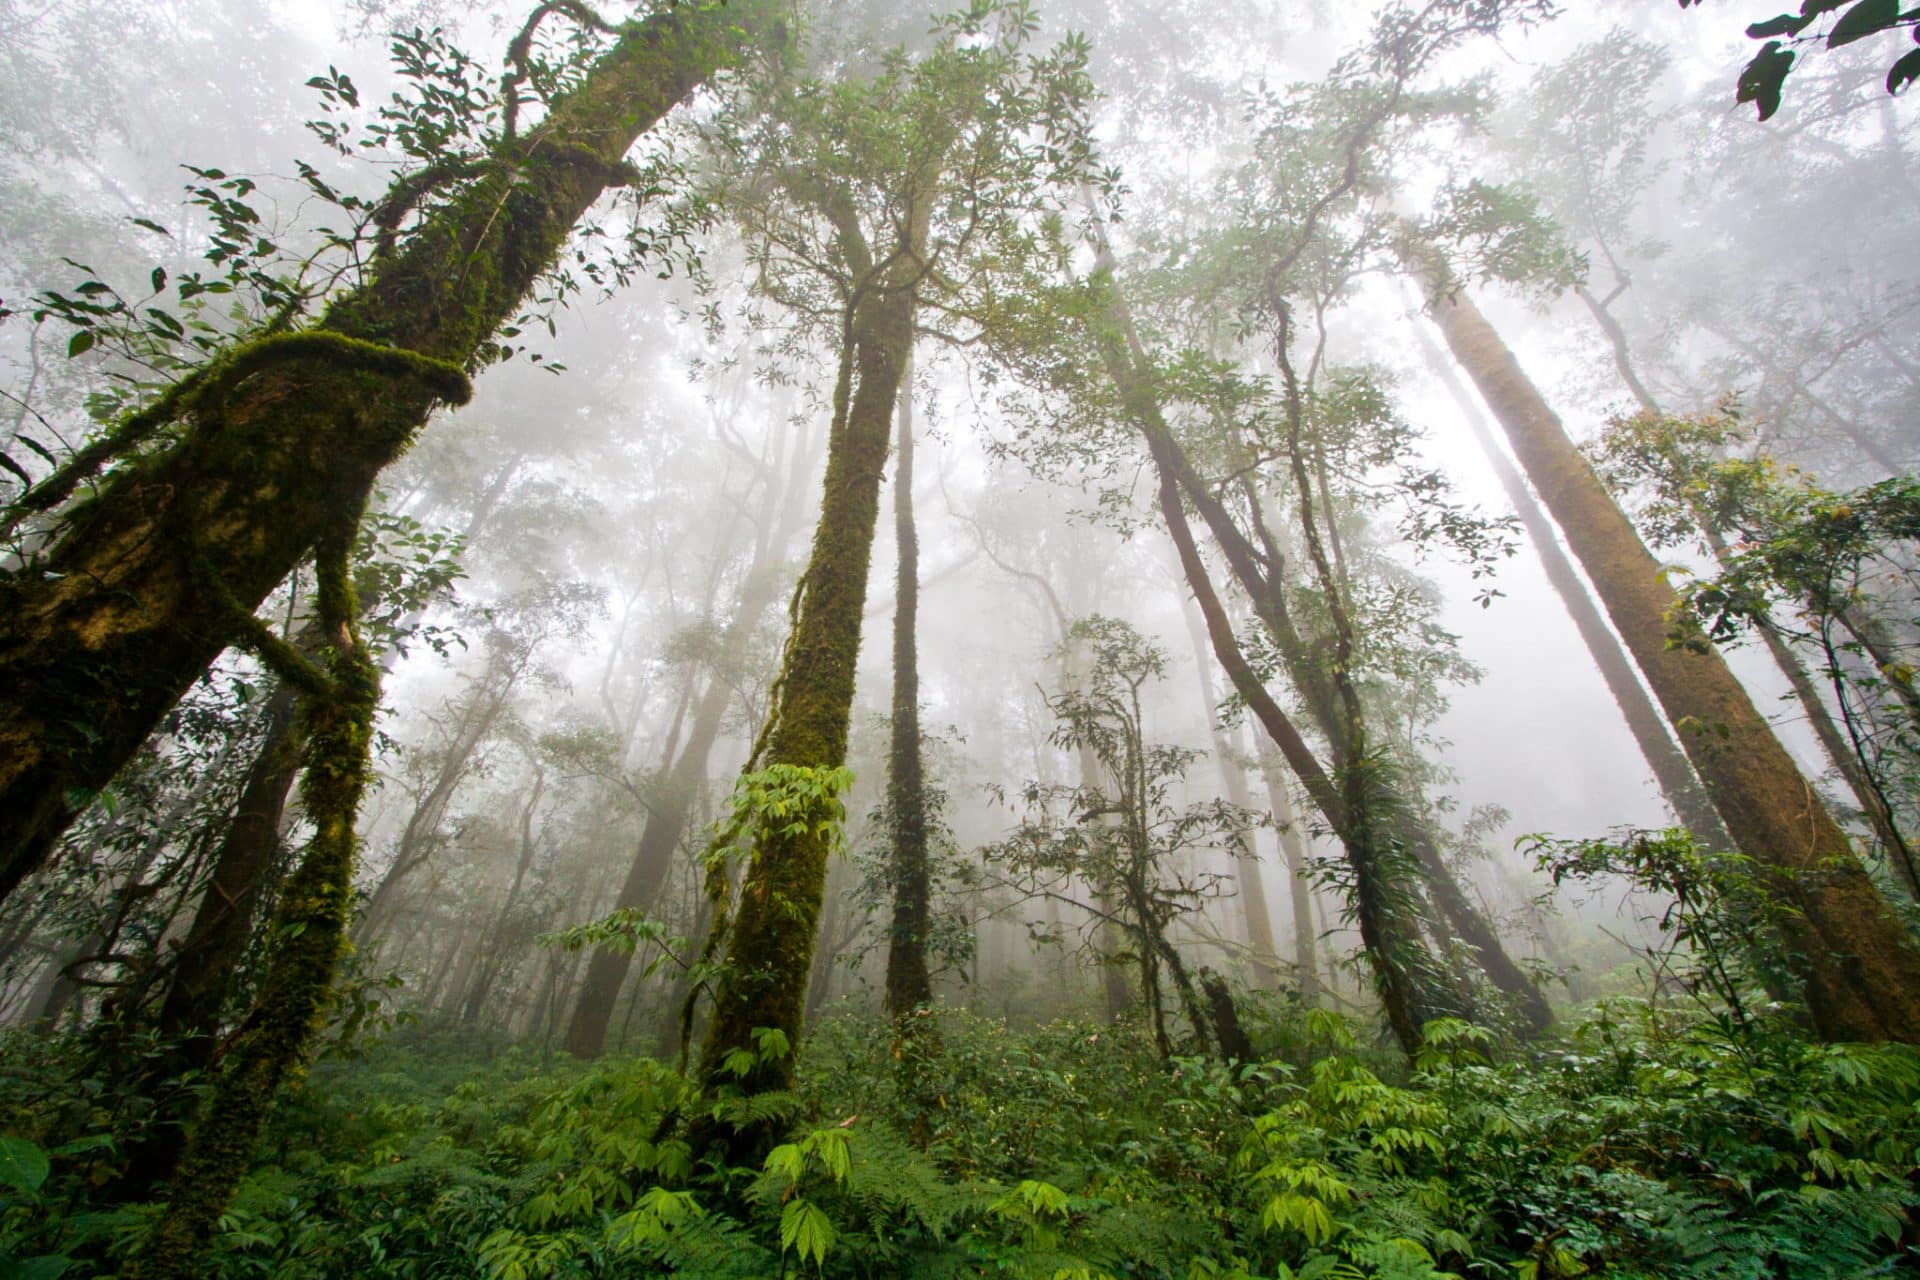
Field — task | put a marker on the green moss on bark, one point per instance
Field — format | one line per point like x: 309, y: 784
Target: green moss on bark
x: 112, y: 622
x: 308, y: 933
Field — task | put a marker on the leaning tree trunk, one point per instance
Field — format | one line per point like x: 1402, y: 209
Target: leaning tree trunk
x: 770, y: 940
x: 1669, y: 765
x: 1835, y: 743
x: 1233, y: 773
x: 908, y: 984
x: 142, y: 585
x: 1861, y: 968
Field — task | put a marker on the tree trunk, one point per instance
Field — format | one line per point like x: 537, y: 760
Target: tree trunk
x: 309, y: 929
x: 1473, y: 928
x: 772, y: 933
x: 1246, y: 864
x: 209, y: 960
x: 1862, y: 971
x: 908, y: 983
x: 1836, y: 745
x: 1306, y: 969
x: 142, y: 586
x: 496, y: 937
x: 1670, y: 768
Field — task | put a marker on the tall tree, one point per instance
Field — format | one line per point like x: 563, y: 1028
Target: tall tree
x: 908, y: 984
x: 1671, y: 771
x: 1860, y: 966
x: 133, y: 594
x: 865, y: 198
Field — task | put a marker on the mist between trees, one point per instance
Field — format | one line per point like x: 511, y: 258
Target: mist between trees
x: 1079, y: 640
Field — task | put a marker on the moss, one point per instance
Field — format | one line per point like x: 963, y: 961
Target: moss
x: 308, y: 931
x: 772, y: 930
x: 101, y: 635
x: 203, y: 391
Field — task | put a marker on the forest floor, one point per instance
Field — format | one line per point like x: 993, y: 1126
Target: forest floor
x: 1636, y: 1142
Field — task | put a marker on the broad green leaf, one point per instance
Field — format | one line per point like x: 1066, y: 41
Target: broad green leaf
x: 1761, y: 79
x: 805, y: 1230
x: 1863, y: 20
x: 23, y: 1165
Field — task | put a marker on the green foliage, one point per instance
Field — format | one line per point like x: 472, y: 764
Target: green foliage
x: 1652, y: 1140
x: 1713, y: 910
x: 1763, y: 79
x: 1826, y: 572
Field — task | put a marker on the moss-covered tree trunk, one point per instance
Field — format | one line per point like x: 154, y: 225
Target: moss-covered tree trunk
x: 772, y: 934
x: 1671, y: 772
x: 308, y: 933
x: 908, y: 983
x: 1860, y: 965
x: 144, y: 584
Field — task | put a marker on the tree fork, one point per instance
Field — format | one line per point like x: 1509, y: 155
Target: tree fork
x: 112, y: 623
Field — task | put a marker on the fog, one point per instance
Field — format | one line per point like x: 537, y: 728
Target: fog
x: 587, y: 572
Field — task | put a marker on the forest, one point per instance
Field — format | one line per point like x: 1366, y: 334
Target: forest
x: 1058, y: 639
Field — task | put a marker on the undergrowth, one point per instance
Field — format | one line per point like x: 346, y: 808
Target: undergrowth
x: 1643, y: 1142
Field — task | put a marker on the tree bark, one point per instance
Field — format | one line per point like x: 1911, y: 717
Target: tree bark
x: 908, y: 983
x: 772, y: 934
x: 1671, y: 771
x: 1861, y: 969
x: 142, y: 586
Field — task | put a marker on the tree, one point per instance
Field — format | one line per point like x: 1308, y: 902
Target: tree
x: 1320, y: 159
x: 309, y: 926
x: 128, y: 600
x: 1788, y: 551
x: 1860, y: 967
x: 1137, y: 854
x: 908, y: 984
x: 1671, y: 771
x: 677, y: 779
x: 866, y: 200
